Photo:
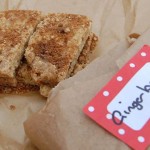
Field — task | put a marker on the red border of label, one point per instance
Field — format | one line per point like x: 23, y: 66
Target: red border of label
x: 100, y: 102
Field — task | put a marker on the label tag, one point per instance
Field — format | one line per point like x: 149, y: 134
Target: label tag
x: 123, y: 106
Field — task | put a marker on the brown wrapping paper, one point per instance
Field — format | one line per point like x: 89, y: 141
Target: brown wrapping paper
x: 113, y: 21
x: 14, y: 110
x: 66, y: 127
x: 144, y: 39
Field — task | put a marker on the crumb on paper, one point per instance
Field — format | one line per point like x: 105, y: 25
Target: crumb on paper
x: 133, y: 37
x: 12, y: 107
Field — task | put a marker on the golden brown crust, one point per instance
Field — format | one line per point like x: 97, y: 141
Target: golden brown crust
x: 16, y: 26
x: 19, y: 89
x: 58, y: 41
x: 83, y: 59
x: 8, y: 81
x: 52, y: 53
x: 23, y: 81
x: 81, y: 63
x: 94, y: 42
x: 23, y: 73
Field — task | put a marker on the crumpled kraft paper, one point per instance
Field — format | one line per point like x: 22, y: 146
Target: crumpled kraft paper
x: 65, y: 127
x: 113, y: 21
x: 144, y: 39
x: 14, y: 110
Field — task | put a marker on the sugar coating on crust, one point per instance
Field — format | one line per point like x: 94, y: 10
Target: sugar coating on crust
x: 81, y: 63
x: 20, y: 88
x: 83, y: 59
x: 16, y: 26
x: 56, y: 45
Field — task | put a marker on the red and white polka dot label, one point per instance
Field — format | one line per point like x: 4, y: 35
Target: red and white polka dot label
x: 123, y: 105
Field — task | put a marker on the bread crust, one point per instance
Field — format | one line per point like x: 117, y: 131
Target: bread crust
x: 81, y: 62
x: 88, y: 49
x: 58, y: 48
x: 55, y: 47
x: 16, y: 27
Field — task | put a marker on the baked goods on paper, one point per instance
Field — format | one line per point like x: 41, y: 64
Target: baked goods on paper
x: 99, y: 16
x: 56, y: 46
x: 108, y: 21
x: 61, y: 124
x: 64, y: 115
x: 16, y: 27
x: 82, y: 61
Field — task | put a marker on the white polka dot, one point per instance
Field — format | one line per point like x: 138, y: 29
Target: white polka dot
x: 91, y: 108
x: 132, y: 65
x: 141, y: 139
x: 121, y: 131
x: 109, y: 116
x: 119, y: 78
x: 143, y: 54
x: 105, y: 93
